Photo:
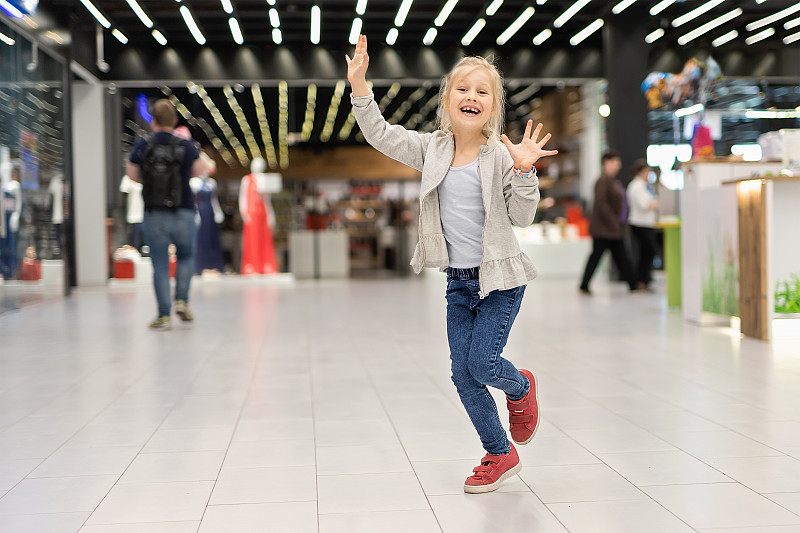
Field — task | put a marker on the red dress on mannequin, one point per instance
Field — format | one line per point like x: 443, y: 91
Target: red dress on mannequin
x: 258, y: 250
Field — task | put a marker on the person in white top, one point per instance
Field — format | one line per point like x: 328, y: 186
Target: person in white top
x: 642, y: 218
x: 134, y: 215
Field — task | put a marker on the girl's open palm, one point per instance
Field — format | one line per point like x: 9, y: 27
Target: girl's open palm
x: 529, y: 150
x: 357, y: 67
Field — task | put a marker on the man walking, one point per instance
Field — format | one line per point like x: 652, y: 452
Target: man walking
x: 163, y: 163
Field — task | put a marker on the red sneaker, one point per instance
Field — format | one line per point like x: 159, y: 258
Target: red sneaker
x: 493, y: 470
x: 523, y: 415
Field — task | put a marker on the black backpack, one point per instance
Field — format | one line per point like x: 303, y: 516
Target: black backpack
x: 162, y: 182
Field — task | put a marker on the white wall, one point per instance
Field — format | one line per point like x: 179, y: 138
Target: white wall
x: 89, y: 184
x: 591, y: 138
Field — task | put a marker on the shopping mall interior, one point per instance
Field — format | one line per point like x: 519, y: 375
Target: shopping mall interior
x: 312, y: 389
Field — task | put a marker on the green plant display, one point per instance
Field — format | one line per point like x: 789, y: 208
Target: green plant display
x: 720, y: 284
x: 787, y: 295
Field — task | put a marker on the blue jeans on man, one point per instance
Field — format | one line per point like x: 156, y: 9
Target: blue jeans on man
x: 477, y: 331
x: 163, y: 227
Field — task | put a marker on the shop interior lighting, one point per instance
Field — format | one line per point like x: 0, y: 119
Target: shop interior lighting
x: 430, y: 36
x: 653, y: 36
x: 661, y: 6
x: 749, y: 152
x: 244, y: 126
x: 355, y: 31
x: 158, y: 36
x: 791, y: 38
x: 405, y: 107
x: 227, y: 6
x: 30, y: 22
x: 311, y: 107
x: 760, y: 36
x: 493, y: 7
x: 192, y: 25
x: 792, y: 24
x: 423, y: 113
x: 87, y: 4
x: 140, y: 13
x: 691, y: 110
x: 236, y: 31
x: 726, y: 38
x: 390, y: 95
x: 622, y: 6
x: 274, y: 18
x: 391, y: 37
x: 283, y: 123
x: 347, y: 127
x: 448, y: 7
x: 772, y: 114
x: 333, y: 110
x: 277, y: 37
x: 694, y: 13
x: 6, y: 39
x: 570, y: 12
x: 16, y: 13
x: 316, y: 24
x: 579, y: 37
x: 119, y: 35
x: 542, y: 37
x: 604, y: 110
x: 266, y: 136
x: 524, y: 94
x: 402, y: 13
x: 185, y: 113
x: 708, y: 26
x: 473, y: 32
x: 271, y: 2
x: 766, y: 21
x: 361, y: 7
x: 233, y: 141
x: 516, y: 25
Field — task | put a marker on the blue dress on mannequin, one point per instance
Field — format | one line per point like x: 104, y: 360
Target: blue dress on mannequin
x: 208, y: 253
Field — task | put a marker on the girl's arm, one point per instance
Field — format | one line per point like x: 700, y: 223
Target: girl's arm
x: 400, y: 144
x: 521, y: 186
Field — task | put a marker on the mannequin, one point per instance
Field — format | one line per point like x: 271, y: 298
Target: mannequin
x: 135, y: 213
x: 11, y: 197
x: 57, y: 218
x: 208, y: 254
x: 258, y: 250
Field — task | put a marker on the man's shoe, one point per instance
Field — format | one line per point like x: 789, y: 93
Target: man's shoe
x: 585, y: 291
x: 493, y: 470
x: 183, y: 311
x: 161, y: 322
x: 523, y: 415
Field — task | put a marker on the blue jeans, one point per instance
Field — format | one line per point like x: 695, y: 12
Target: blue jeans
x: 477, y: 331
x: 161, y: 228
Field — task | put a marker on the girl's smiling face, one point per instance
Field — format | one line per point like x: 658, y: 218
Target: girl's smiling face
x: 470, y: 101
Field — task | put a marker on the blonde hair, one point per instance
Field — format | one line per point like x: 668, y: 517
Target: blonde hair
x: 494, y: 126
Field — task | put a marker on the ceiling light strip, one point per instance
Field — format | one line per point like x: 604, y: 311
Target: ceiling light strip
x: 694, y: 13
x: 766, y: 21
x: 316, y: 24
x: 726, y: 38
x: 212, y: 137
x: 473, y: 32
x: 227, y: 6
x: 653, y: 36
x: 661, y: 6
x: 333, y: 110
x: 542, y: 36
x: 516, y: 25
x: 402, y: 13
x: 361, y: 7
x: 405, y: 107
x: 241, y: 119
x: 236, y: 31
x: 311, y: 106
x: 158, y: 36
x: 760, y: 36
x: 423, y: 113
x: 493, y: 7
x: 119, y: 35
x: 390, y: 95
x: 283, y: 123
x: 93, y: 10
x: 790, y: 39
x: 622, y: 6
x: 263, y: 123
x: 274, y: 18
x: 570, y: 12
x: 223, y: 125
x: 277, y: 36
x: 581, y: 36
x: 430, y: 36
x: 792, y: 24
x: 708, y: 26
x: 140, y: 13
x: 391, y: 37
x: 192, y: 25
x: 448, y: 7
x: 355, y: 31
x: 12, y: 10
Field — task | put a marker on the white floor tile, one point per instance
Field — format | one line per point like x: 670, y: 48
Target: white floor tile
x: 662, y: 468
x: 789, y: 500
x: 12, y: 471
x: 711, y: 444
x: 578, y: 483
x: 190, y: 440
x: 418, y: 521
x: 496, y: 512
x: 267, y: 453
x: 363, y: 459
x: 289, y: 517
x: 86, y: 462
x: 370, y: 492
x: 762, y: 474
x: 161, y: 527
x: 721, y: 505
x: 153, y: 502
x: 636, y: 516
x: 264, y: 485
x: 35, y: 523
x: 174, y: 466
x: 56, y: 495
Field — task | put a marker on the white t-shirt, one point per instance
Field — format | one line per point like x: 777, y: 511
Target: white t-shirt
x: 57, y: 190
x: 639, y: 200
x: 462, y: 213
x: 135, y: 201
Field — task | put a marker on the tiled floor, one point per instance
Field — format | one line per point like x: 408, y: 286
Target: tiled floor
x: 327, y: 407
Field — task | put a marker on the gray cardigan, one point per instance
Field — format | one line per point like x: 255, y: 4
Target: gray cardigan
x: 507, y: 198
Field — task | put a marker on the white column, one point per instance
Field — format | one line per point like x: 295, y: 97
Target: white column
x: 89, y: 183
x: 591, y: 139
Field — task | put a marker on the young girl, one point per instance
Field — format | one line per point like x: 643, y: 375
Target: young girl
x: 473, y: 188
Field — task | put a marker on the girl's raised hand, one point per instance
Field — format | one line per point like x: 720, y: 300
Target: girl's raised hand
x: 357, y: 68
x: 529, y: 150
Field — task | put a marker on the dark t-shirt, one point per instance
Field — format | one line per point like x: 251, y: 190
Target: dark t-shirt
x: 191, y: 153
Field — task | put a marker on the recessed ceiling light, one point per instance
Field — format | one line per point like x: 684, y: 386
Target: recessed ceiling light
x: 473, y: 32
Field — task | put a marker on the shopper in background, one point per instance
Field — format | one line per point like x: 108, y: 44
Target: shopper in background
x: 642, y: 219
x: 473, y: 188
x: 164, y: 163
x: 606, y: 222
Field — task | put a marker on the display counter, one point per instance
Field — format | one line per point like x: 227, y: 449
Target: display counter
x: 319, y: 254
x: 555, y: 251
